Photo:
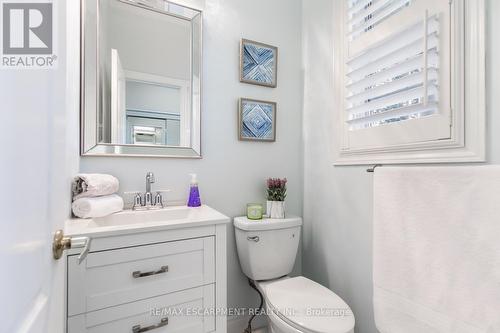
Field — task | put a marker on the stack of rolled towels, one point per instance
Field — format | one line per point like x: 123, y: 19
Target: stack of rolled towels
x: 94, y: 195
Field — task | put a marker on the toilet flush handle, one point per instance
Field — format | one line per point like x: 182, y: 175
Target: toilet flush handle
x: 253, y: 238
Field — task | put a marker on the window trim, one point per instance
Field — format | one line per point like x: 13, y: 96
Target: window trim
x: 468, y: 133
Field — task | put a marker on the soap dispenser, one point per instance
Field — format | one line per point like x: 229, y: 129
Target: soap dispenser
x: 194, y: 192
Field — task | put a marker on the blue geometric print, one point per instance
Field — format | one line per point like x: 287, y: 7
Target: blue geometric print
x: 257, y: 121
x: 258, y: 64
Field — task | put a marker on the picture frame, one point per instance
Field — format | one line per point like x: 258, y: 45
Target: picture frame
x: 257, y: 120
x: 258, y: 63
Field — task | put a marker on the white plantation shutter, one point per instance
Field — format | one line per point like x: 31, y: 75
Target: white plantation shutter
x: 397, y: 68
x: 366, y: 14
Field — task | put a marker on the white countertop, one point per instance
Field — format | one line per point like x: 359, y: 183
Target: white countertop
x: 129, y: 222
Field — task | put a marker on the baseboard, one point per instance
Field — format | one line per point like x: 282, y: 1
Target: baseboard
x: 239, y: 323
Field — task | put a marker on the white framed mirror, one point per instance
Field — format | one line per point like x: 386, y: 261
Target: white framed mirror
x: 141, y: 79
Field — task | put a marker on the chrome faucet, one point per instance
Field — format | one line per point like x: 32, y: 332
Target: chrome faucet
x: 148, y: 196
x: 148, y: 200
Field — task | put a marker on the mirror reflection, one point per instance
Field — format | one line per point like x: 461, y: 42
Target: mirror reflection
x: 148, y: 65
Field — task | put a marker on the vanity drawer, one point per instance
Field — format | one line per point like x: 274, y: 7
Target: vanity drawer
x: 186, y: 311
x: 110, y: 278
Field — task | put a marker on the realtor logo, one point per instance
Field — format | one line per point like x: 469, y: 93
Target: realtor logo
x: 27, y: 35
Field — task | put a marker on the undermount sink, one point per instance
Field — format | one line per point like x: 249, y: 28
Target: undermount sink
x: 129, y: 217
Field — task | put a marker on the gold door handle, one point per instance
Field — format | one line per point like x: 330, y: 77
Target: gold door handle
x: 61, y: 243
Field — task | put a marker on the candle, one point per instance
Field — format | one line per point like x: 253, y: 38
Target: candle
x: 255, y: 211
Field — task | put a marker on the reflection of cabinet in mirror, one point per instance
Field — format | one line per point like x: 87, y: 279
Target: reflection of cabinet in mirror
x: 141, y: 96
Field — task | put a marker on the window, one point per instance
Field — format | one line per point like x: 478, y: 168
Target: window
x: 408, y: 71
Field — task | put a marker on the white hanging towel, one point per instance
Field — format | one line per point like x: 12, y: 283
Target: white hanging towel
x: 436, y: 265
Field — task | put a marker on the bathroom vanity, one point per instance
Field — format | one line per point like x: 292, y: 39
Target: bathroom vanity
x: 160, y: 270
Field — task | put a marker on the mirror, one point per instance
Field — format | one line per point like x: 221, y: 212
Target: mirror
x: 141, y: 78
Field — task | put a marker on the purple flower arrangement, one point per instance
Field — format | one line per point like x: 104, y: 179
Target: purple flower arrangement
x: 276, y: 189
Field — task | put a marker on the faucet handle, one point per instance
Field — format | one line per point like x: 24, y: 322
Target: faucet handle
x: 159, y: 198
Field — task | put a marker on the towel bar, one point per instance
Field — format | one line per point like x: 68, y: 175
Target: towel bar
x: 372, y: 169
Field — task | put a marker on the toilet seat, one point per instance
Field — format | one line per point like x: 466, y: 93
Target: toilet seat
x: 308, y: 306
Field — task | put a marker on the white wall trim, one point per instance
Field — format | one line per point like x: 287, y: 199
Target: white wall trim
x: 467, y: 143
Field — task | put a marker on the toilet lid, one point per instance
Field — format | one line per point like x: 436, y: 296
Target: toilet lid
x: 308, y: 306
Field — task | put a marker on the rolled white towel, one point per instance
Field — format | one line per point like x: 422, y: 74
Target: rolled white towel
x: 87, y: 185
x: 97, y: 207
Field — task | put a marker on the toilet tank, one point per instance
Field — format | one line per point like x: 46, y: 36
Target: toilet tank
x: 267, y: 248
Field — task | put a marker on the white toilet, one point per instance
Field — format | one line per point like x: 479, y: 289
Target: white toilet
x: 267, y: 250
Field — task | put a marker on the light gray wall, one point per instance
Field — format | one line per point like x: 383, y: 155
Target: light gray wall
x: 233, y: 173
x: 337, y: 249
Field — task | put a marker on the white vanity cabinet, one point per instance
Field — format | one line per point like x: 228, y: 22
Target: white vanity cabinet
x: 154, y: 278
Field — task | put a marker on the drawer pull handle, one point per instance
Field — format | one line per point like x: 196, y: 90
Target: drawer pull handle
x: 139, y: 329
x: 139, y: 274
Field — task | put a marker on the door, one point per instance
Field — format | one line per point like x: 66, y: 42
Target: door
x: 38, y: 156
x: 26, y: 133
x: 118, y: 99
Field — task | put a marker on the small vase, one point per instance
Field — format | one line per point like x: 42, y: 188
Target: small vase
x: 269, y: 206
x: 277, y: 209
